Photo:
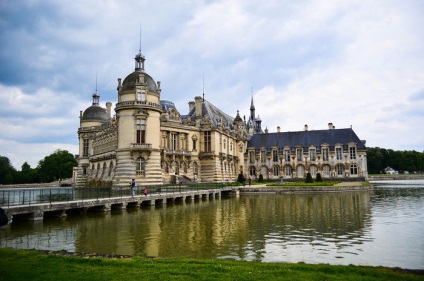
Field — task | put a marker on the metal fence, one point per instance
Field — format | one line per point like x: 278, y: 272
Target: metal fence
x: 31, y: 196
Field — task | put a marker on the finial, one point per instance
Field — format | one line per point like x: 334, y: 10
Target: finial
x: 203, y: 87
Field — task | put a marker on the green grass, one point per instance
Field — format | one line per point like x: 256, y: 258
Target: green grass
x: 33, y: 265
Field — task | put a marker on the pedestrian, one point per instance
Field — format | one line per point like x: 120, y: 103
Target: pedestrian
x: 145, y: 191
x: 132, y: 185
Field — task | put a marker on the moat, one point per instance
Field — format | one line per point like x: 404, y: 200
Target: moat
x: 380, y: 227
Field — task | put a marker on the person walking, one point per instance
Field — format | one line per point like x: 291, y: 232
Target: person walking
x: 133, y: 184
x: 145, y: 191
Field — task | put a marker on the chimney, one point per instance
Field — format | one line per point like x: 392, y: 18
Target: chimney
x: 80, y: 113
x: 306, y: 127
x: 278, y: 129
x: 198, y: 109
x: 108, y: 107
x: 331, y: 126
x: 190, y: 105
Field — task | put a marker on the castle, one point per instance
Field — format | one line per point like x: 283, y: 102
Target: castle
x: 149, y: 140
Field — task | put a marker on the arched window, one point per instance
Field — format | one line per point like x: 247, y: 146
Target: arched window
x: 252, y: 171
x: 185, y: 168
x: 176, y: 168
x: 339, y: 169
x: 141, y: 166
x: 313, y: 170
x: 300, y: 171
x: 276, y: 171
x: 288, y: 170
x: 104, y: 169
x: 110, y: 169
x: 326, y: 170
x: 353, y: 169
x: 98, y: 170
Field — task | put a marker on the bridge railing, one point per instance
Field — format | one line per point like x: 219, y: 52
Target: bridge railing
x: 30, y: 196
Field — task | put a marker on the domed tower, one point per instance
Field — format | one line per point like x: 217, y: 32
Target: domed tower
x: 138, y: 117
x: 90, y: 123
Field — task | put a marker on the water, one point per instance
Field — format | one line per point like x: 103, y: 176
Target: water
x: 383, y: 227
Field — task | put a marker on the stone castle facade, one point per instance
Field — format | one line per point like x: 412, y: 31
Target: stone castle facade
x: 149, y: 140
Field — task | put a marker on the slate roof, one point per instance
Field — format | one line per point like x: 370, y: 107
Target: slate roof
x: 305, y: 139
x: 215, y: 115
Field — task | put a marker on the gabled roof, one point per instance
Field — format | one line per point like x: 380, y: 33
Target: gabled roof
x: 306, y: 139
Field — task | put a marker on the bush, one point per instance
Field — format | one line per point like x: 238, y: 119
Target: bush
x: 261, y: 178
x: 309, y: 178
x: 240, y: 178
x: 318, y: 179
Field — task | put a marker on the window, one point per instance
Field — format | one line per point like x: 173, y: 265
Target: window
x: 185, y: 168
x: 325, y: 154
x: 263, y: 156
x: 313, y: 170
x: 195, y: 168
x: 339, y: 169
x: 141, y: 164
x: 194, y: 144
x: 300, y: 171
x: 326, y: 170
x: 312, y: 154
x: 176, y: 168
x: 353, y: 169
x: 287, y: 155
x: 275, y: 156
x: 299, y: 154
x: 225, y: 144
x: 252, y: 171
x: 252, y: 157
x: 174, y: 142
x: 288, y: 170
x: 207, y: 138
x: 141, y: 131
x: 352, y: 153
x: 85, y: 147
x: 141, y: 95
x: 276, y: 173
x: 339, y: 153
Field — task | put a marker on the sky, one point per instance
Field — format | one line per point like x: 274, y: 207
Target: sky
x: 353, y: 63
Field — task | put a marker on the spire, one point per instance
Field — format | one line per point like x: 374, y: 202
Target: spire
x: 203, y: 87
x: 96, y: 96
x: 139, y: 58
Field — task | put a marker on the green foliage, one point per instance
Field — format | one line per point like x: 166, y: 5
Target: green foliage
x: 381, y: 158
x: 6, y: 170
x: 309, y: 178
x: 301, y: 183
x: 261, y: 178
x: 56, y: 166
x: 319, y: 178
x: 240, y: 178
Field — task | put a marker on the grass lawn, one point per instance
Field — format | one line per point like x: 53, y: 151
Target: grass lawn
x: 33, y: 265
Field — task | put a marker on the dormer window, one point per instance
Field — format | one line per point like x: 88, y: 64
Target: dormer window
x: 141, y: 95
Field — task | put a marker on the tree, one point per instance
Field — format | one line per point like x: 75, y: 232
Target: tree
x: 319, y: 178
x: 240, y: 178
x: 56, y: 166
x: 261, y: 178
x: 309, y: 178
x: 6, y: 170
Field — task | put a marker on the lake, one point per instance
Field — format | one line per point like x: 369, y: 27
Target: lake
x: 383, y: 227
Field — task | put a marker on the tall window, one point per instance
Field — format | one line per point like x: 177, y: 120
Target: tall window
x: 325, y: 154
x: 288, y: 170
x: 173, y: 141
x: 352, y: 152
x: 300, y: 171
x: 299, y: 154
x: 194, y: 144
x: 263, y: 156
x: 326, y: 170
x: 264, y: 172
x: 312, y: 154
x: 141, y: 131
x: 85, y: 147
x: 207, y: 138
x: 141, y: 95
x: 339, y: 153
x: 276, y: 169
x: 313, y: 170
x: 353, y: 169
x: 287, y: 155
x: 275, y: 156
x: 252, y: 157
x: 195, y: 168
x: 339, y: 169
x: 252, y: 171
x: 141, y: 164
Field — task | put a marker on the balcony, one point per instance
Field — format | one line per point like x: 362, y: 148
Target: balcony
x: 140, y: 146
x: 206, y: 155
x: 177, y: 152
